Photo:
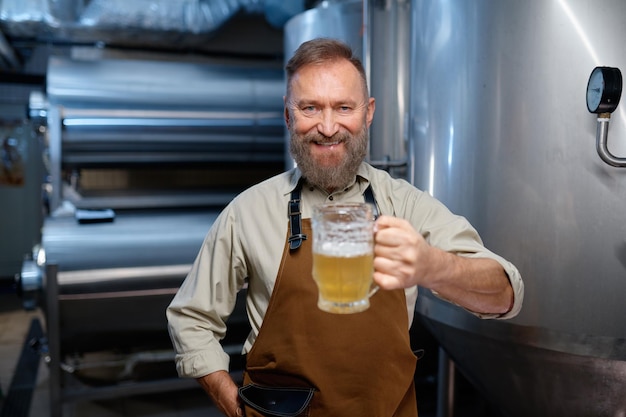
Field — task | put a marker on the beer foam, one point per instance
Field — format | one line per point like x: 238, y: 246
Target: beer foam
x: 343, y: 249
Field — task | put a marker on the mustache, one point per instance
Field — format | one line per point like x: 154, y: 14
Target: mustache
x: 316, y: 137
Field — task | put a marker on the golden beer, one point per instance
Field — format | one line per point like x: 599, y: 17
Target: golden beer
x: 343, y: 256
x: 343, y: 279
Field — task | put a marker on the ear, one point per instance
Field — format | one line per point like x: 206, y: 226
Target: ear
x: 287, y: 115
x: 371, y: 107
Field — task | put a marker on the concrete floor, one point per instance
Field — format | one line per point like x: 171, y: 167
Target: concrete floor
x: 14, y: 326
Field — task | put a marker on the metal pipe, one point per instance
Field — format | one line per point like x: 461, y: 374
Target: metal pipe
x: 8, y: 58
x: 54, y: 150
x: 388, y: 163
x: 54, y: 342
x: 445, y: 385
x: 273, y: 119
x: 150, y: 85
x: 602, y: 147
x: 365, y: 59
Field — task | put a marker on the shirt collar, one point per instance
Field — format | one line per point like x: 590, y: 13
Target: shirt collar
x: 362, y: 177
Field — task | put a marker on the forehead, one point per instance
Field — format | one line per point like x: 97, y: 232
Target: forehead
x: 336, y: 79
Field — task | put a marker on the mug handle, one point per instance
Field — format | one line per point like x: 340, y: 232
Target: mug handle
x: 373, y: 290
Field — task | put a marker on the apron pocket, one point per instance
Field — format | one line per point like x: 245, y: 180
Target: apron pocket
x: 274, y: 401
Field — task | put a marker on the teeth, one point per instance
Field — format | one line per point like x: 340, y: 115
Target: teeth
x: 327, y: 143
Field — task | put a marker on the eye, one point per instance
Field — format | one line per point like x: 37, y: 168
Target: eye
x: 309, y: 110
x: 344, y: 109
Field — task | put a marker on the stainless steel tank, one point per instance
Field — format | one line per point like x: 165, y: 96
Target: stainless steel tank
x: 332, y: 19
x: 501, y: 134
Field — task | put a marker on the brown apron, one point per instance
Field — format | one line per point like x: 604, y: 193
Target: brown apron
x: 358, y: 364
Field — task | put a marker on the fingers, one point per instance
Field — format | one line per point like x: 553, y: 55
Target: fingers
x: 397, y: 253
x: 223, y: 391
x: 384, y: 222
x: 396, y: 239
x: 387, y: 282
x: 391, y: 273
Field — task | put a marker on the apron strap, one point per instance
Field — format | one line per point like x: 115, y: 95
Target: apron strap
x: 369, y: 198
x: 295, y: 218
x: 295, y: 214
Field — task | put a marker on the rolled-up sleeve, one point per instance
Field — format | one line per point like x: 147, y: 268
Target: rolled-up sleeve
x: 455, y: 234
x: 197, y: 315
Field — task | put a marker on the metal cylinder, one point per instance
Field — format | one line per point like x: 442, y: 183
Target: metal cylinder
x: 502, y: 136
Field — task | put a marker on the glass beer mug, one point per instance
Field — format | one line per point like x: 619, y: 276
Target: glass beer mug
x: 343, y: 256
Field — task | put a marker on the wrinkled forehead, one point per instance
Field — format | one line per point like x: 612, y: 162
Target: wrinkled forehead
x: 339, y: 71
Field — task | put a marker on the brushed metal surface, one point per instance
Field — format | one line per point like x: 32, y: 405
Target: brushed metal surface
x: 338, y: 20
x: 501, y: 134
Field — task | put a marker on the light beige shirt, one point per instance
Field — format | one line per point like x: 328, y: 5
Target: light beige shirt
x: 245, y: 244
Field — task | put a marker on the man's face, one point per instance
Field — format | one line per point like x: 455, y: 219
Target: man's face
x: 328, y: 115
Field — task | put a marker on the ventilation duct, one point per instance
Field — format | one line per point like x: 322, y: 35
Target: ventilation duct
x: 112, y: 20
x: 28, y: 18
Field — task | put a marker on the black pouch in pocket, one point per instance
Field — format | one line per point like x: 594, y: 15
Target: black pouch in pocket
x: 274, y: 401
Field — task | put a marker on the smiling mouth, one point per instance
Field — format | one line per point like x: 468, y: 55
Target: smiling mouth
x: 327, y: 143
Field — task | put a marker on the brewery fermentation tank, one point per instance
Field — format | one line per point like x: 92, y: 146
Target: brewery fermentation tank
x: 501, y: 134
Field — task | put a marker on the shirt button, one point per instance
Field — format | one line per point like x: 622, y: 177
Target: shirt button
x: 330, y: 198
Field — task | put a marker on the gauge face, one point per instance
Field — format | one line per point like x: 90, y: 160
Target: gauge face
x: 604, y: 89
x: 595, y: 87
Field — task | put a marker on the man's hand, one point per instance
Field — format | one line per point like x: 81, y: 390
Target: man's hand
x: 223, y: 391
x: 400, y: 254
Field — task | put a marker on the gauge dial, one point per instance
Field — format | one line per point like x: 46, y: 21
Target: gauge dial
x: 604, y: 89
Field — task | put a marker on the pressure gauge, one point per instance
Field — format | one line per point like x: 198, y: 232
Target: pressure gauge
x: 604, y: 90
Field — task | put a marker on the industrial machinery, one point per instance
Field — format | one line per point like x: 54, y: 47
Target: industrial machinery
x: 111, y: 122
x: 142, y: 156
x: 501, y: 134
x: 21, y: 178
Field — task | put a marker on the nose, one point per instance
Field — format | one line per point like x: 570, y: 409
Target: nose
x: 327, y: 125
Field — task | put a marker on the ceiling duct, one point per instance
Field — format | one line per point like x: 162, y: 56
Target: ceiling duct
x: 8, y: 58
x: 137, y: 21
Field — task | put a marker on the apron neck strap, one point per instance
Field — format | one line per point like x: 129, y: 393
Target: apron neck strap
x: 295, y: 218
x: 369, y: 198
x: 295, y: 214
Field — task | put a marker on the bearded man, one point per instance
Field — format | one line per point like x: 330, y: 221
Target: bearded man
x: 301, y: 360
